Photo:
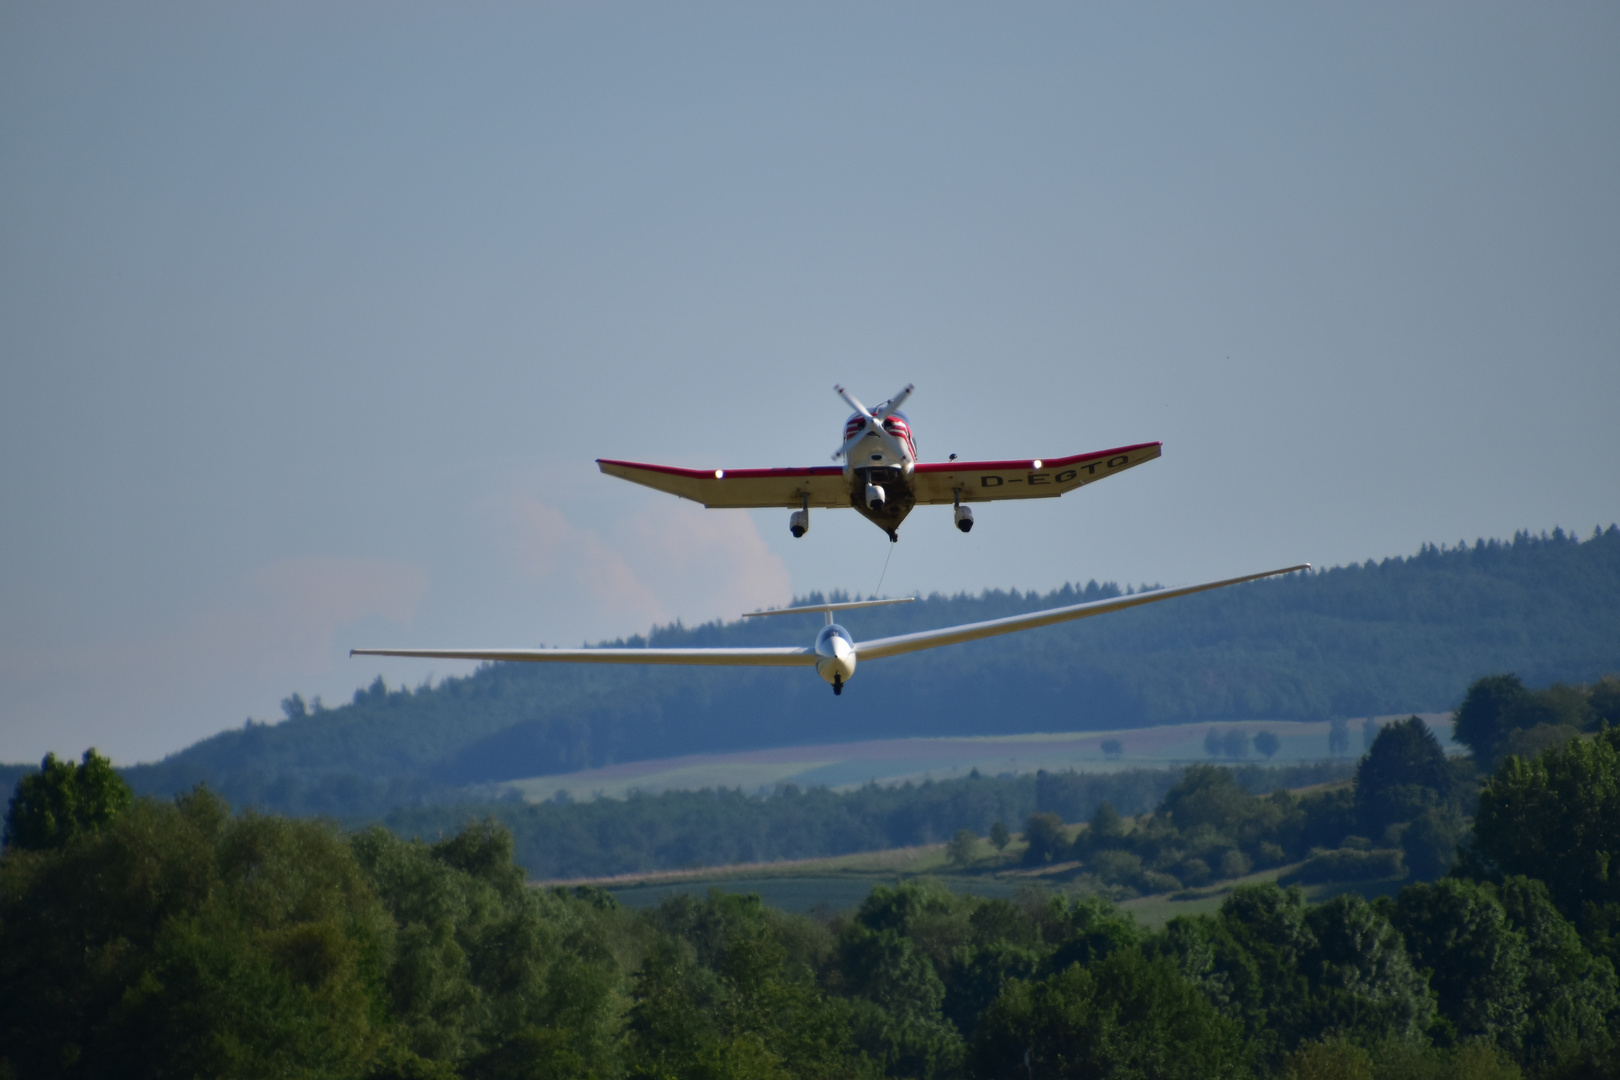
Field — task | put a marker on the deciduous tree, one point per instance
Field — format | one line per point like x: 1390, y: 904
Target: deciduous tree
x: 62, y: 801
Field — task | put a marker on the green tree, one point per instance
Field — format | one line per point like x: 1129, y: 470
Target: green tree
x: 1477, y: 961
x: 1603, y: 702
x: 1363, y: 983
x: 1570, y: 993
x: 176, y: 940
x: 1332, y: 1058
x: 898, y: 1000
x: 1089, y: 929
x: 480, y: 958
x: 961, y: 849
x: 1267, y: 743
x: 1490, y: 710
x: 1130, y: 1016
x: 1557, y: 819
x: 1289, y: 972
x: 62, y: 801
x: 888, y: 962
x: 1403, y: 774
x: 1046, y: 838
x: 1249, y: 962
x: 1000, y: 836
x: 1106, y: 827
x: 721, y: 995
x: 1208, y: 795
x: 1429, y: 843
x: 1005, y: 942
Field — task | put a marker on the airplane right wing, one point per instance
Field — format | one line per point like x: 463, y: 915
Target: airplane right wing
x: 734, y: 488
x: 1031, y: 478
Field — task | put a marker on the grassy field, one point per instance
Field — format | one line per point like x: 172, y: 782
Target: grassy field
x: 893, y: 761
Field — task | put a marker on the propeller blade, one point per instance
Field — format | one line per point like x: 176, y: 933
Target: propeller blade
x: 849, y: 399
x: 895, y: 402
x: 849, y: 444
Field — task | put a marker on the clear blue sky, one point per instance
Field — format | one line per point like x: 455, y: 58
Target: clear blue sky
x: 314, y: 317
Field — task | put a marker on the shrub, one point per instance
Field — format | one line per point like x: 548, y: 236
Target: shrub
x: 1348, y: 864
x: 1195, y: 872
x: 1117, y: 867
x: 1235, y: 864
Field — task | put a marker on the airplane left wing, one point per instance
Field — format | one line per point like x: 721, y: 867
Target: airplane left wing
x: 1030, y: 478
x: 736, y: 488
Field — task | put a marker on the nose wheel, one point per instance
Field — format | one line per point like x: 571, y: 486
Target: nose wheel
x: 838, y: 683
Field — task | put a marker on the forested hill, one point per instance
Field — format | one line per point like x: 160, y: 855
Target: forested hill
x: 1398, y: 635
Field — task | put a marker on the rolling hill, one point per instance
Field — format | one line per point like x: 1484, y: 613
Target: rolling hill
x: 1403, y: 634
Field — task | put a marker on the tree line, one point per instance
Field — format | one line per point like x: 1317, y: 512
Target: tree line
x: 172, y: 930
x: 147, y: 937
x: 721, y: 827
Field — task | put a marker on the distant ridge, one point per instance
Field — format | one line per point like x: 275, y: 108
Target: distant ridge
x: 1403, y: 634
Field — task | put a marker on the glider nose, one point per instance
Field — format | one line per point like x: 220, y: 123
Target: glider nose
x: 837, y: 662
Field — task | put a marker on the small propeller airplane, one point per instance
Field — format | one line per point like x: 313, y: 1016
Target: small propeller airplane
x: 835, y: 652
x: 881, y: 476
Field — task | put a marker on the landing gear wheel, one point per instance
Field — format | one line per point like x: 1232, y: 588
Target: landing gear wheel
x: 838, y: 683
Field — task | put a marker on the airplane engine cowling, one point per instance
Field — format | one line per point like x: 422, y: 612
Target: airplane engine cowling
x: 799, y: 523
x: 964, y: 518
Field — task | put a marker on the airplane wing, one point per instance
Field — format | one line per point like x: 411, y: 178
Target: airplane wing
x: 789, y: 656
x: 984, y: 481
x: 951, y: 635
x: 719, y: 488
x: 785, y: 656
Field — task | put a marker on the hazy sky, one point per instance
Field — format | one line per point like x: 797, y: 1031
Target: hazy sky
x: 314, y: 317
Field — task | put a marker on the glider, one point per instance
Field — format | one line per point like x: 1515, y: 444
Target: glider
x: 835, y: 652
x: 881, y: 477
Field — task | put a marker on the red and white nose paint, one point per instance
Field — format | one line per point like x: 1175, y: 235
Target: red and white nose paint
x: 895, y: 424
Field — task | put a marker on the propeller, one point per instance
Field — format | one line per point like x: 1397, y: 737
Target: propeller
x: 874, y: 422
x: 894, y: 403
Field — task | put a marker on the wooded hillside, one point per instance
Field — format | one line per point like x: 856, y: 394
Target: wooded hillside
x: 1399, y: 635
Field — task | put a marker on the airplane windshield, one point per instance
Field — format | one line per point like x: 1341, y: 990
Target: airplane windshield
x: 831, y: 632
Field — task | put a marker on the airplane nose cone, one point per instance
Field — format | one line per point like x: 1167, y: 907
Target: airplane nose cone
x: 837, y: 659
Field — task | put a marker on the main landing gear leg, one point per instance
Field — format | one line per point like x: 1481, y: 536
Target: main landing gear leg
x: 838, y: 683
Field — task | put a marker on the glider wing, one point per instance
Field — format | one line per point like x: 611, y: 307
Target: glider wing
x: 718, y: 488
x: 1037, y: 478
x: 786, y: 656
x: 951, y: 635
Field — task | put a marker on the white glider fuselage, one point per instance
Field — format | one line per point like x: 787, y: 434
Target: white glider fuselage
x: 835, y: 655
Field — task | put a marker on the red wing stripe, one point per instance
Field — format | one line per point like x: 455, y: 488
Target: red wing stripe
x: 737, y: 474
